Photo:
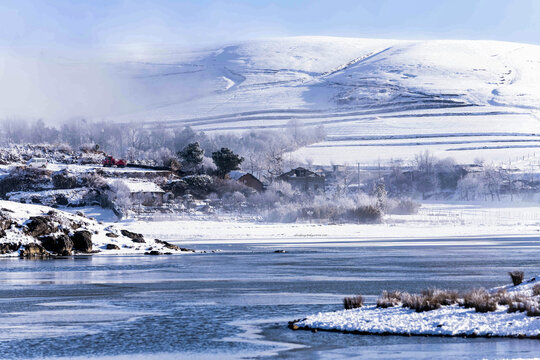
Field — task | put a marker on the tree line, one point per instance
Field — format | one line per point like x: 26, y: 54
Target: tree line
x: 262, y: 150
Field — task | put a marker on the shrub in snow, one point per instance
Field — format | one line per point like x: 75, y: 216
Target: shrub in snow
x: 536, y: 290
x: 64, y: 180
x: 199, y: 186
x: 93, y: 180
x: 442, y: 297
x: 517, y: 277
x: 366, y: 214
x: 353, y: 302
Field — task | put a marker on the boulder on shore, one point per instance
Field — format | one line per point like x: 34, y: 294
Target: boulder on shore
x: 39, y: 225
x: 34, y: 250
x: 60, y: 244
x: 82, y: 241
x: 9, y: 247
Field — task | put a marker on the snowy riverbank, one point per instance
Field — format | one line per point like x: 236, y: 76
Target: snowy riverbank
x: 448, y: 223
x: 451, y: 320
x: 40, y: 231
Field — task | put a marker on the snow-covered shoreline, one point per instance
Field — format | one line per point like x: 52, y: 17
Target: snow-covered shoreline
x: 450, y: 320
x: 41, y: 231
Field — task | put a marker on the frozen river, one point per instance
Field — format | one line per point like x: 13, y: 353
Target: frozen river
x: 236, y: 303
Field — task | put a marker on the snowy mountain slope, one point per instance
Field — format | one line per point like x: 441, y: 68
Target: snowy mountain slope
x: 351, y: 86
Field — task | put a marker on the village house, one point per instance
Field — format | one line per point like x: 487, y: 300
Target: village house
x: 305, y: 180
x: 145, y: 193
x: 246, y: 179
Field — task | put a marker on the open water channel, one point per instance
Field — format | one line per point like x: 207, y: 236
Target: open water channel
x: 236, y: 303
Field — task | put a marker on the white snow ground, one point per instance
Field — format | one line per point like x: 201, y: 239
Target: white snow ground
x: 465, y: 99
x: 448, y: 320
x: 442, y: 224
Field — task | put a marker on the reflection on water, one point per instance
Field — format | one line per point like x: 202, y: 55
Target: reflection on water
x: 236, y: 303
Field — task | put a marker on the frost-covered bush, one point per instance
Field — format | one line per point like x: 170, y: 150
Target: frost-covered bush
x: 234, y: 200
x: 283, y: 214
x: 89, y: 147
x: 225, y: 186
x: 238, y: 198
x: 536, y: 290
x: 264, y: 200
x: 402, y: 206
x: 282, y: 188
x: 119, y: 196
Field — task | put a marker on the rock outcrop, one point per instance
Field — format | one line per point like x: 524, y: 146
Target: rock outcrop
x: 135, y: 237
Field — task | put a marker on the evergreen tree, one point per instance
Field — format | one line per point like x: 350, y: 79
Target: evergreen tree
x: 226, y: 161
x: 192, y: 156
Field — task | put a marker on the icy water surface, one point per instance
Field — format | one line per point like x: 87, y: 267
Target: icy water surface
x: 236, y: 303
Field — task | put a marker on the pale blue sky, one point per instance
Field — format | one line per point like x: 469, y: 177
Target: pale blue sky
x: 68, y: 23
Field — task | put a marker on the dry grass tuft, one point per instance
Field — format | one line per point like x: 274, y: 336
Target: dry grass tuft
x: 481, y: 300
x: 353, y: 302
x: 442, y: 297
x: 517, y: 277
x: 389, y: 299
x: 430, y: 299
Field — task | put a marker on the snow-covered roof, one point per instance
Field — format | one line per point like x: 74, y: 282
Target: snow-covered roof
x: 145, y: 186
x: 142, y: 187
x: 236, y: 174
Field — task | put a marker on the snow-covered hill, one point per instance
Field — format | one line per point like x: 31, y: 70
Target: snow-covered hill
x: 485, y: 92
